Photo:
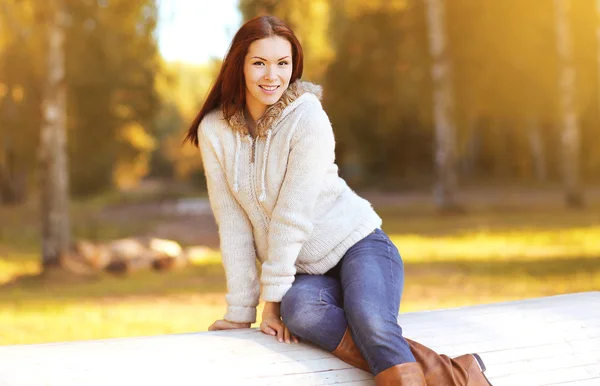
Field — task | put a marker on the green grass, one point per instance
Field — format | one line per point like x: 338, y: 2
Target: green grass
x: 491, y: 254
x: 495, y: 253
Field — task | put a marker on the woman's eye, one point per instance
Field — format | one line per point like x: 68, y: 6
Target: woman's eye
x: 284, y: 63
x: 258, y: 63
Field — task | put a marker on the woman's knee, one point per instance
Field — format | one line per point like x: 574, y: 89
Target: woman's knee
x: 304, y: 305
x: 296, y: 310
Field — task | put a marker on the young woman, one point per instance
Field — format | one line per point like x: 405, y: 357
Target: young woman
x: 329, y: 274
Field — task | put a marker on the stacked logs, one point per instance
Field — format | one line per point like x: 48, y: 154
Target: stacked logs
x: 129, y: 255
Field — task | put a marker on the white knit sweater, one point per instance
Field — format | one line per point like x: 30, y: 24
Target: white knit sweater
x: 278, y: 198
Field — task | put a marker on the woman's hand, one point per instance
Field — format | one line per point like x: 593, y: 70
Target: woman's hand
x: 223, y: 324
x: 272, y: 325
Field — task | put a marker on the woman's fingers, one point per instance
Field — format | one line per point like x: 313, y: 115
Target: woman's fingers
x: 216, y: 326
x: 280, y: 332
x: 289, y: 337
x: 273, y: 328
x: 222, y: 324
x: 278, y: 327
x: 266, y: 328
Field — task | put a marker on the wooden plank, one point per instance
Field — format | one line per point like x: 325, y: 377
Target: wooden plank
x: 584, y: 382
x: 344, y: 376
x: 537, y: 342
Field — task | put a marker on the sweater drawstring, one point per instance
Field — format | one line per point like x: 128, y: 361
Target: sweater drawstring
x: 238, y: 144
x: 263, y: 189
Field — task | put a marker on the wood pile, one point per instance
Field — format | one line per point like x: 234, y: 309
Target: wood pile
x: 129, y: 255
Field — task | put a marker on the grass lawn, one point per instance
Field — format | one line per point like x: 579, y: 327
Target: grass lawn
x: 491, y: 254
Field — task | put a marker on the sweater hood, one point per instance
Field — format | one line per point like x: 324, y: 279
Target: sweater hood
x: 277, y: 111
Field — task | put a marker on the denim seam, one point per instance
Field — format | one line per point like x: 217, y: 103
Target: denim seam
x: 391, y: 266
x: 365, y: 354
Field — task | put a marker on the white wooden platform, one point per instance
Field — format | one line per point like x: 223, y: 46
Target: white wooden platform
x: 545, y: 341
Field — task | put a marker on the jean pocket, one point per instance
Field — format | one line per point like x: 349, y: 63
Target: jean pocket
x: 380, y: 235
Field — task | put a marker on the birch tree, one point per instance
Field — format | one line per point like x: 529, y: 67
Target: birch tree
x: 570, y: 133
x: 536, y: 145
x: 443, y: 106
x: 53, y: 141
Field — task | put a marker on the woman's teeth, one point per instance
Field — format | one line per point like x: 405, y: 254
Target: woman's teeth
x: 269, y: 88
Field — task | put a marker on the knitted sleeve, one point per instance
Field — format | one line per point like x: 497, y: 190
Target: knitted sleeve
x: 236, y: 238
x: 312, y: 152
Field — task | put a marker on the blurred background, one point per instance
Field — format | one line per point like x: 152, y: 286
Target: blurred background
x: 471, y: 126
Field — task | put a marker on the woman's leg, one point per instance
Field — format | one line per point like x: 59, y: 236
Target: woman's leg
x: 312, y: 311
x: 372, y: 278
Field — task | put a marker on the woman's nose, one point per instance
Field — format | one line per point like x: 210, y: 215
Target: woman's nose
x: 270, y: 75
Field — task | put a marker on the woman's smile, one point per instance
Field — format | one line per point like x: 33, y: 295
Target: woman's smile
x: 269, y: 89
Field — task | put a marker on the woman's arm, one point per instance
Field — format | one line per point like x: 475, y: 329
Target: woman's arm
x: 236, y: 239
x: 272, y: 308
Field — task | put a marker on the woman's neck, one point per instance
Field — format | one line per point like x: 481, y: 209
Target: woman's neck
x: 254, y: 109
x: 252, y: 117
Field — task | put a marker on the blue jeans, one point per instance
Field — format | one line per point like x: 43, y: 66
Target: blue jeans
x: 362, y: 292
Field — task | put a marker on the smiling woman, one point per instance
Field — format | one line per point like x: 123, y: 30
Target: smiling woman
x: 330, y: 275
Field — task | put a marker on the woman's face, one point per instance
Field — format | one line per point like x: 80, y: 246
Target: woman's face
x: 267, y: 71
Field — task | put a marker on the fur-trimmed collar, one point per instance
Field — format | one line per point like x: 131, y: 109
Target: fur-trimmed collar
x: 275, y: 111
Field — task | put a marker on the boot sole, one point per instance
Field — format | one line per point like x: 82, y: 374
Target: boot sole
x: 481, y: 367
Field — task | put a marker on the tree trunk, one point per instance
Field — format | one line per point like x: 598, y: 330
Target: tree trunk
x: 443, y: 105
x: 570, y: 136
x: 538, y: 153
x: 53, y: 157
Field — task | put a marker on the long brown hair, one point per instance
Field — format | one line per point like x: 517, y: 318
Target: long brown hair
x: 229, y: 90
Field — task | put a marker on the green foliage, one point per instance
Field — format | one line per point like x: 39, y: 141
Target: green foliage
x: 111, y: 64
x: 111, y: 67
x: 183, y: 89
x: 504, y: 62
x: 372, y: 57
x: 19, y: 97
x: 375, y: 95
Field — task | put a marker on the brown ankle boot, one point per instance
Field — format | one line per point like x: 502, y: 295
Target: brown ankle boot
x: 441, y: 370
x: 475, y: 368
x: 349, y: 353
x: 406, y: 374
